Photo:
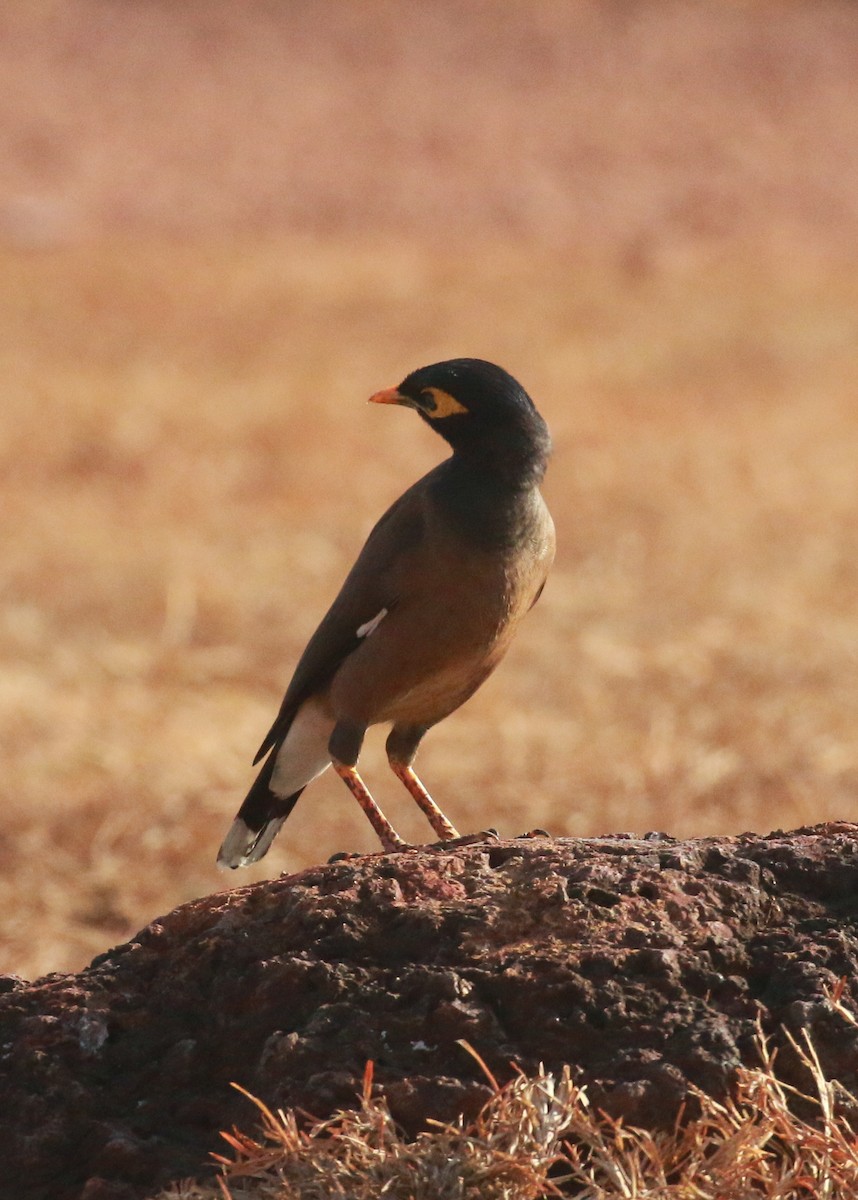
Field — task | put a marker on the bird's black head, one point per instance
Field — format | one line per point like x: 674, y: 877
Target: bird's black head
x: 485, y: 415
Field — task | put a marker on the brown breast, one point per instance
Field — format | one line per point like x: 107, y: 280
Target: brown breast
x: 453, y: 612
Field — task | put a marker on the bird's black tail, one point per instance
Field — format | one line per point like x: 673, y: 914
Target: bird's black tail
x: 257, y: 821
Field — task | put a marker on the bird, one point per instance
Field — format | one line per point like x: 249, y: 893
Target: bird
x: 427, y: 611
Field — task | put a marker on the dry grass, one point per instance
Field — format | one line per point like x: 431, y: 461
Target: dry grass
x: 647, y: 213
x: 188, y: 469
x: 593, y: 127
x: 540, y: 1137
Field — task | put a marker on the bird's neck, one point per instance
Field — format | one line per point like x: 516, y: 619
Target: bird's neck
x: 512, y: 459
x: 488, y: 497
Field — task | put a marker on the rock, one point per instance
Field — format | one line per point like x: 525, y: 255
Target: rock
x: 646, y: 963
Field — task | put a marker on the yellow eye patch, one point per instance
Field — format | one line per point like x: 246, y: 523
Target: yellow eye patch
x: 444, y: 404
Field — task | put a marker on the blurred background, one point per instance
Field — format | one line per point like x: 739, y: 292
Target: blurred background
x: 223, y: 225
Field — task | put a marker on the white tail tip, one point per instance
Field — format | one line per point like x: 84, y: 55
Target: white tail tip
x: 243, y: 845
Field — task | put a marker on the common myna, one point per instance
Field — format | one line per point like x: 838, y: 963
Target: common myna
x: 427, y: 611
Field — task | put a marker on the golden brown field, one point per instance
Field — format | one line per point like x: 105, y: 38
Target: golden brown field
x: 188, y: 469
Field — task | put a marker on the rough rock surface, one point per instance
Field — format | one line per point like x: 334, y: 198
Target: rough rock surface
x: 645, y: 962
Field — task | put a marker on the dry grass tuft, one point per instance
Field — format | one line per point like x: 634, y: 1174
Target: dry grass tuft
x: 540, y: 1137
x: 505, y: 1155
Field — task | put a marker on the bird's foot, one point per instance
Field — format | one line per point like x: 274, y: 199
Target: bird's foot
x: 467, y: 839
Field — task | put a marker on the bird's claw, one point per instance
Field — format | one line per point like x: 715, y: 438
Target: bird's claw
x: 469, y: 839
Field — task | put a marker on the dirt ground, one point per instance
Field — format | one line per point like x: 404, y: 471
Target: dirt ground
x: 223, y: 226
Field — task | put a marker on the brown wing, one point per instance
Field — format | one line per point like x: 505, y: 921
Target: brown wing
x: 367, y: 589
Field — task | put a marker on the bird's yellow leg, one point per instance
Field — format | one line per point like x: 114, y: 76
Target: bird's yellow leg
x: 387, y: 835
x: 432, y: 812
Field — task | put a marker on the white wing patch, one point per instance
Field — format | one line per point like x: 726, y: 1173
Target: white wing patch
x: 364, y: 631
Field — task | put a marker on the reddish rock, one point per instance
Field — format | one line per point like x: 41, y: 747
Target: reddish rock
x: 646, y: 963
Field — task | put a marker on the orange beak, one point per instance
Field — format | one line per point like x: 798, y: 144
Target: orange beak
x: 388, y: 396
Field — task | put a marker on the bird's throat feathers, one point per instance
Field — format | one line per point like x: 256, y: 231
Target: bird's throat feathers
x: 487, y: 506
x: 513, y: 455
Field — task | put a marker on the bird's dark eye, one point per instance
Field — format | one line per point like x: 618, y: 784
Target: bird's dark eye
x: 437, y: 403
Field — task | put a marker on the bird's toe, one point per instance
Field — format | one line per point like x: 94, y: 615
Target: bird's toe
x: 468, y: 839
